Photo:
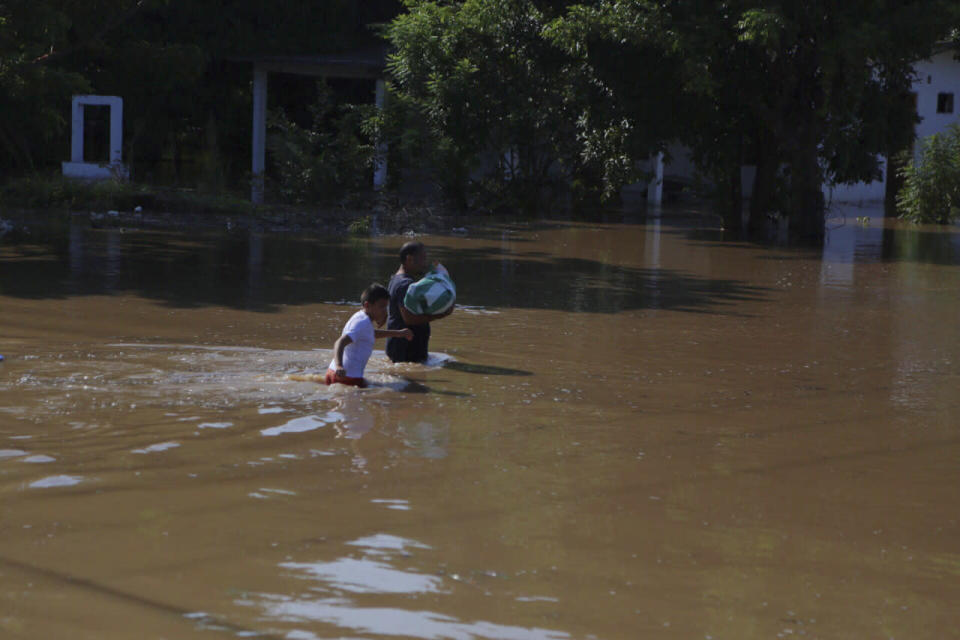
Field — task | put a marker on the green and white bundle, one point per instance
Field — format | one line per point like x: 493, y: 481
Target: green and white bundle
x: 432, y: 294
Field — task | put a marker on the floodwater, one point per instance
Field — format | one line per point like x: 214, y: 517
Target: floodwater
x: 630, y: 429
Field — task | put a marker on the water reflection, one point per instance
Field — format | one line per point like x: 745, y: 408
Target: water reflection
x: 847, y: 244
x: 375, y: 571
x: 395, y: 622
x: 262, y: 272
x: 366, y: 575
x: 302, y: 424
x: 254, y: 293
x: 354, y: 417
x: 427, y: 439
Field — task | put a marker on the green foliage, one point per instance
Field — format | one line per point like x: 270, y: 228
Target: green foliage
x: 808, y: 92
x: 34, y: 99
x: 361, y: 226
x: 505, y: 101
x: 931, y: 188
x: 501, y: 110
x: 57, y: 192
x: 328, y: 159
x: 169, y: 61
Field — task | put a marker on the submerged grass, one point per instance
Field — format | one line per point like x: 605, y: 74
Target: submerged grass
x: 57, y: 192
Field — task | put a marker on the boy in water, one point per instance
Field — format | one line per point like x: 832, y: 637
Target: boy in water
x: 355, y: 344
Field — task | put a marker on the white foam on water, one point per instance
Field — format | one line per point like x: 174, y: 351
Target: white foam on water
x: 475, y: 310
x: 154, y: 448
x: 56, y: 481
x: 268, y: 410
x: 284, y: 492
x: 302, y: 424
x: 399, y: 505
x: 536, y: 599
x: 196, y: 614
x: 214, y: 425
x: 135, y: 345
x: 11, y: 453
x: 383, y: 542
x: 367, y: 575
x: 39, y: 459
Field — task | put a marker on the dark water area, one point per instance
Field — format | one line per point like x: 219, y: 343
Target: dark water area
x: 254, y: 271
x: 631, y: 427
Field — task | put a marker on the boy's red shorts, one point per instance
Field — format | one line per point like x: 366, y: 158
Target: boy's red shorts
x: 332, y: 378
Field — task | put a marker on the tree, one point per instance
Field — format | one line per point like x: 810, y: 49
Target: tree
x: 501, y: 109
x: 168, y: 60
x: 811, y: 92
x: 31, y: 91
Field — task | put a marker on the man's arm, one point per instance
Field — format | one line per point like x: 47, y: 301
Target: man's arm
x: 393, y: 333
x: 411, y: 319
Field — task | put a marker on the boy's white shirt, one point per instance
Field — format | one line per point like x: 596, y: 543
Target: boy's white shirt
x: 355, y: 355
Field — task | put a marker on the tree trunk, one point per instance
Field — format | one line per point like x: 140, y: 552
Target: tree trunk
x: 807, y: 214
x: 762, y: 200
x: 731, y: 201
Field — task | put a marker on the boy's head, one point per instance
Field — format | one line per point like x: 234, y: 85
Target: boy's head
x: 375, y: 299
x: 413, y: 258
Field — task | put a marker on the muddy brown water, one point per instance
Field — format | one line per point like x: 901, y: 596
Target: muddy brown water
x: 635, y: 429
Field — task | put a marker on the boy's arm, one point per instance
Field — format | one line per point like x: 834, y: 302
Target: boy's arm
x: 410, y: 319
x: 338, y: 348
x: 393, y: 333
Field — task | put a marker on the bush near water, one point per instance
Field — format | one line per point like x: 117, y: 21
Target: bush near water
x: 931, y: 187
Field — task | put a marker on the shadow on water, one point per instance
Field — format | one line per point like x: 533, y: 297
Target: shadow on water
x: 260, y: 272
x: 484, y: 369
x: 412, y: 386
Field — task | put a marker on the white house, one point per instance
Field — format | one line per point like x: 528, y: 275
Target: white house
x: 937, y: 90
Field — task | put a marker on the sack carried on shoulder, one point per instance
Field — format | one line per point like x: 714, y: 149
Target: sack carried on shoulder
x: 432, y: 294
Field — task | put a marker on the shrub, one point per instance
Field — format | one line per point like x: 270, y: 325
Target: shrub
x: 325, y: 161
x: 58, y: 192
x: 360, y: 226
x: 931, y: 188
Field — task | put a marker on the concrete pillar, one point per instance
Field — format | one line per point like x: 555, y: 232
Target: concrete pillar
x: 76, y: 140
x: 259, y: 133
x: 254, y: 291
x: 655, y: 188
x: 653, y: 291
x: 380, y: 156
x: 116, y: 131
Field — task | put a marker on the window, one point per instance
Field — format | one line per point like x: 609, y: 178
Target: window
x: 944, y: 103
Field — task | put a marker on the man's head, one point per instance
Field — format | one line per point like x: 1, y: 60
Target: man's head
x: 375, y: 300
x: 413, y: 258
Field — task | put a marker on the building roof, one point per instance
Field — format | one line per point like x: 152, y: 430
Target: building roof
x: 363, y: 63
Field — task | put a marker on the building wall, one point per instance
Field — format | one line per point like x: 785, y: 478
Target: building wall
x: 940, y: 74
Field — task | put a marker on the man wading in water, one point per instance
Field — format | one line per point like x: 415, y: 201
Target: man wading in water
x: 413, y: 264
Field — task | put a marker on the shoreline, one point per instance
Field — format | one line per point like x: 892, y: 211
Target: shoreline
x: 334, y: 221
x: 410, y: 220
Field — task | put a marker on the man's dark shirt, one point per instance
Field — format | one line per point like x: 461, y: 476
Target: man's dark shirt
x: 400, y: 349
